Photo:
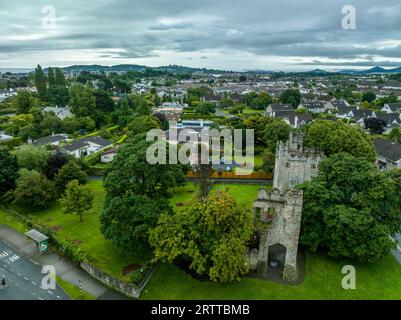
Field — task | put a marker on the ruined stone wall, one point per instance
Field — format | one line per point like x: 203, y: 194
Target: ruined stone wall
x: 282, y: 207
x: 295, y: 164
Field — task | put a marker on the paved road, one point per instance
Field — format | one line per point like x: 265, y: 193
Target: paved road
x: 24, y: 278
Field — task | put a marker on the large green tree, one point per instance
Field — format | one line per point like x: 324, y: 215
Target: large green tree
x: 126, y: 220
x: 78, y: 199
x: 333, y: 137
x: 211, y: 235
x: 350, y: 209
x: 131, y: 173
x: 33, y: 190
x: 67, y: 173
x: 8, y: 170
x: 32, y: 158
x: 143, y: 124
x: 24, y: 102
x: 82, y: 101
x: 40, y: 83
x: 291, y: 96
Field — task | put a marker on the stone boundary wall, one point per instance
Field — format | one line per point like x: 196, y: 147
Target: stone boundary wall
x: 128, y: 289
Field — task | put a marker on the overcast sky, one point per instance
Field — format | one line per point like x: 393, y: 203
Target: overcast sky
x: 223, y: 34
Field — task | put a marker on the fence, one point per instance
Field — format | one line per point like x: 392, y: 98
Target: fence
x: 230, y: 175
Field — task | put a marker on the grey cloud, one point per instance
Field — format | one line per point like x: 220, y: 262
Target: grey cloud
x: 265, y: 28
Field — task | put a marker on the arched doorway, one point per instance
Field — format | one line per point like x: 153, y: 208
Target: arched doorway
x: 276, y: 258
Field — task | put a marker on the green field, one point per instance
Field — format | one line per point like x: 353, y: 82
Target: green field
x: 87, y: 234
x: 322, y: 281
x: 243, y: 193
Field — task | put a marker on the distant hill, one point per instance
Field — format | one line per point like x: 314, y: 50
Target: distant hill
x: 137, y: 68
x: 374, y: 70
x: 189, y: 70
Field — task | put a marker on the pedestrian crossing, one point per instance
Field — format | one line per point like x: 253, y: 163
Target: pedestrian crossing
x: 5, y: 254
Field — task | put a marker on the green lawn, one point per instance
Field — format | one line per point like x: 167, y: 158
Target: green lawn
x: 87, y: 234
x: 183, y: 194
x: 12, y: 221
x: 322, y: 281
x: 73, y: 291
x: 243, y: 193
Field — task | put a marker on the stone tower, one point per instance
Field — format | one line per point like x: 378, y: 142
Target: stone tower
x: 278, y: 213
x: 294, y: 163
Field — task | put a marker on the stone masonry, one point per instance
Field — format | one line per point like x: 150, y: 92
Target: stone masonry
x: 279, y: 212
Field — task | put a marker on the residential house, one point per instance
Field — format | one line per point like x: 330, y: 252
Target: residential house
x: 53, y: 140
x: 273, y: 108
x: 392, y: 120
x: 388, y: 154
x: 391, y: 108
x: 61, y: 112
x: 294, y: 119
x: 313, y: 106
x: 339, y: 104
x: 5, y: 137
x: 344, y: 112
x: 194, y: 124
x: 214, y: 98
x: 4, y: 94
x: 359, y: 116
x: 87, y: 146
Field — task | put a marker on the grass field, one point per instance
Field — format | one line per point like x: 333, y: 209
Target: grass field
x: 73, y: 291
x: 87, y: 234
x: 323, y: 274
x: 322, y: 281
x: 243, y: 193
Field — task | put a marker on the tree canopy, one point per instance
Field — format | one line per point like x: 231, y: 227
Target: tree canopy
x: 333, y: 137
x: 350, y: 209
x: 211, y: 235
x: 8, y: 170
x: 78, y: 199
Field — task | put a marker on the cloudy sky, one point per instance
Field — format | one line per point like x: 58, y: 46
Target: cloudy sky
x: 225, y: 34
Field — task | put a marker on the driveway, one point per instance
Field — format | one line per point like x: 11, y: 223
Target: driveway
x: 24, y: 278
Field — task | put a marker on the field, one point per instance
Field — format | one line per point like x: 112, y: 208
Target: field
x: 322, y: 281
x: 87, y: 234
x: 323, y: 274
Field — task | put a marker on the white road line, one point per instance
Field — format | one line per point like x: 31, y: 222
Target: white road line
x: 40, y: 298
x: 26, y: 278
x: 34, y: 283
x: 50, y: 292
x: 397, y: 245
x: 58, y: 297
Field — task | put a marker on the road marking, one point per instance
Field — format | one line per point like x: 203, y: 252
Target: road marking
x: 19, y: 274
x: 34, y: 283
x: 14, y: 258
x: 58, y: 297
x: 397, y: 245
x: 40, y: 298
x: 50, y: 292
